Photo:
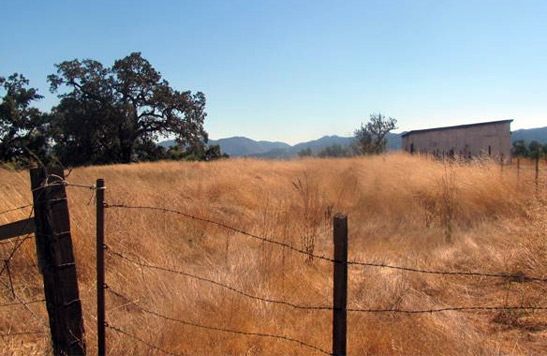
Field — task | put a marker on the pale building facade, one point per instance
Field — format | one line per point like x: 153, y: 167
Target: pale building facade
x: 466, y: 141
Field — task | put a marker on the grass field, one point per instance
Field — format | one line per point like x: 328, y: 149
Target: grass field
x: 402, y: 210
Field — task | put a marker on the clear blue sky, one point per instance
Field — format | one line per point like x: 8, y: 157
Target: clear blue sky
x: 297, y: 70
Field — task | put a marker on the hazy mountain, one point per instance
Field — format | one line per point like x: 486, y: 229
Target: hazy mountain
x: 538, y: 134
x: 243, y: 146
x: 240, y: 146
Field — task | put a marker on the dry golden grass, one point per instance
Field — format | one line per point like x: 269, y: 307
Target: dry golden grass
x: 402, y: 210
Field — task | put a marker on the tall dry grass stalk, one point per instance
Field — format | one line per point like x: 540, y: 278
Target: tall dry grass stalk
x: 402, y: 210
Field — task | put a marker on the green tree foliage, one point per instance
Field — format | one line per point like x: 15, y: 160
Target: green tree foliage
x: 335, y: 150
x: 533, y: 150
x: 536, y: 150
x: 109, y: 115
x: 198, y: 153
x: 22, y: 127
x: 520, y: 149
x: 305, y: 152
x: 371, y: 138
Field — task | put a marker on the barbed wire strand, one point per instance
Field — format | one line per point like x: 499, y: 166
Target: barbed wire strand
x: 19, y: 303
x: 515, y: 277
x: 296, y: 306
x: 438, y: 310
x: 225, y: 286
x: 24, y: 303
x: 15, y: 209
x: 215, y: 328
x: 141, y: 340
x: 328, y: 259
x: 225, y: 226
x: 61, y: 182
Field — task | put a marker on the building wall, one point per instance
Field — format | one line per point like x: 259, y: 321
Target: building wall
x: 472, y: 141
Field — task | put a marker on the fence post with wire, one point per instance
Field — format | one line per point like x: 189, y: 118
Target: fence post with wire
x: 56, y: 261
x: 340, y: 285
x: 101, y: 285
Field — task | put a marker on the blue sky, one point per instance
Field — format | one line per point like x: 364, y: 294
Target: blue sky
x: 297, y: 70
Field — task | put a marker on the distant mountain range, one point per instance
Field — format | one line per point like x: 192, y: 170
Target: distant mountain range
x: 538, y: 134
x: 245, y: 147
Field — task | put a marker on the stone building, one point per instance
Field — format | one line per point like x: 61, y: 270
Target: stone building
x: 466, y: 141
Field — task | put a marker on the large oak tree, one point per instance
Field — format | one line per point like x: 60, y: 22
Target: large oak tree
x: 115, y: 114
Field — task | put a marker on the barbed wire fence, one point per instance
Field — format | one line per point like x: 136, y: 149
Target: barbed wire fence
x: 116, y: 253
x: 339, y: 310
x: 7, y: 267
x: 50, y: 228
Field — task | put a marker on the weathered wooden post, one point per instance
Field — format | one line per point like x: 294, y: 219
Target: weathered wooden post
x: 101, y: 285
x: 56, y: 261
x: 340, y: 289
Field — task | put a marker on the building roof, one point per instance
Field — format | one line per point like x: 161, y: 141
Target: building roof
x: 455, y: 127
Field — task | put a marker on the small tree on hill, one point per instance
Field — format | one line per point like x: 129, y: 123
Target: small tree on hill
x: 371, y: 138
x: 519, y: 149
x: 305, y: 152
x: 536, y: 150
x: 334, y: 150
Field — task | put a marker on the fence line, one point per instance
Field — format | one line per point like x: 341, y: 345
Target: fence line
x: 225, y: 286
x: 514, y: 277
x: 214, y: 328
x: 296, y: 306
x: 39, y: 192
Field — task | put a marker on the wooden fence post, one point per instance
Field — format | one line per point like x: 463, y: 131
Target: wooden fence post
x: 101, y: 285
x: 56, y: 261
x: 340, y: 288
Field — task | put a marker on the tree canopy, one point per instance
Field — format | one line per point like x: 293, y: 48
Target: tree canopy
x: 22, y: 126
x: 372, y: 137
x: 533, y: 150
x: 115, y: 114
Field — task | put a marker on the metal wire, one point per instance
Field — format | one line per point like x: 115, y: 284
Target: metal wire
x: 225, y: 286
x: 513, y: 277
x: 118, y: 330
x: 296, y: 306
x: 15, y: 209
x: 438, y: 310
x: 24, y: 304
x: 232, y: 331
x: 21, y: 303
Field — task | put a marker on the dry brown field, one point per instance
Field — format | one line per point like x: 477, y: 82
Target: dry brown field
x: 402, y: 210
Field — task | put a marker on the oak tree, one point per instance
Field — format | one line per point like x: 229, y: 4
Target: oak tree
x: 116, y: 114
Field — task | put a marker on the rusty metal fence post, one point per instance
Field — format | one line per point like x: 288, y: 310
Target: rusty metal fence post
x: 340, y: 288
x: 101, y: 285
